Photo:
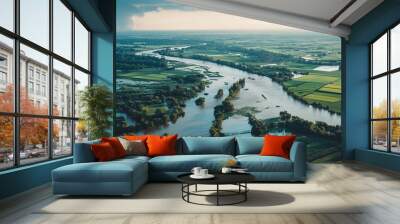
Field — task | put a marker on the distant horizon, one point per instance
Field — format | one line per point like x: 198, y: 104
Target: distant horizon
x: 305, y: 32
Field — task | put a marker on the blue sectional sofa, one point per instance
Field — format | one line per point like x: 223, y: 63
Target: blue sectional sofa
x: 125, y: 176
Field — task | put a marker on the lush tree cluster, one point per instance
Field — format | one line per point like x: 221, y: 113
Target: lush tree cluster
x: 129, y: 61
x: 294, y: 125
x: 200, y: 101
x: 139, y: 103
x: 34, y: 131
x: 226, y: 108
x: 298, y: 125
x: 219, y: 94
x: 379, y: 128
x: 258, y: 128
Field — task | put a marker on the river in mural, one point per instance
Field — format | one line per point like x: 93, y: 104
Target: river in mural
x: 261, y: 94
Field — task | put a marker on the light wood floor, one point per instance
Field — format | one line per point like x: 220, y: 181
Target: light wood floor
x: 377, y: 188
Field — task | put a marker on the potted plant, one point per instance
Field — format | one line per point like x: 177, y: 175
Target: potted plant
x: 96, y: 103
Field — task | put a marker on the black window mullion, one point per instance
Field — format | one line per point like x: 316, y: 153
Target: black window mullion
x: 50, y: 87
x: 389, y: 100
x: 16, y: 69
x: 371, y: 137
x: 73, y: 82
x: 89, y: 54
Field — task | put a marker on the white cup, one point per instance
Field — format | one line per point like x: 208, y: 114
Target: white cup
x: 203, y: 172
x: 196, y: 171
x: 226, y: 170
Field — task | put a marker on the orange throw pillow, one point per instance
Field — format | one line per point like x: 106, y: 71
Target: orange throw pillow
x: 136, y: 137
x: 161, y: 145
x: 103, y: 152
x: 116, y: 145
x: 277, y: 145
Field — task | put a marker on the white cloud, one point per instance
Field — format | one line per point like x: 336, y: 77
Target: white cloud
x: 167, y: 19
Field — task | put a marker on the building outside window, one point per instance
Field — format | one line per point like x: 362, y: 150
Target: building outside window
x: 30, y: 72
x: 3, y: 78
x: 38, y: 89
x: 3, y: 71
x: 44, y: 77
x: 44, y: 91
x: 3, y: 61
x: 37, y: 75
x: 30, y: 87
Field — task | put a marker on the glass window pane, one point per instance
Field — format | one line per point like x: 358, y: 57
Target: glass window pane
x: 379, y: 97
x: 62, y: 89
x: 81, y: 45
x: 81, y: 82
x: 395, y: 94
x: 6, y: 142
x: 34, y: 97
x: 7, y: 14
x: 6, y: 74
x: 395, y: 136
x: 62, y: 29
x: 395, y: 47
x: 81, y: 131
x: 35, y: 21
x: 33, y: 139
x: 379, y: 135
x: 62, y: 138
x: 379, y: 56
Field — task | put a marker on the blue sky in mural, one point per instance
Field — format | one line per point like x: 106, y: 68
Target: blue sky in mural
x: 126, y: 9
x: 203, y: 73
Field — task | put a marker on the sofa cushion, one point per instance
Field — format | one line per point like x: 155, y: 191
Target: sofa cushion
x: 103, y: 152
x: 257, y: 163
x: 249, y: 145
x: 161, y: 145
x: 277, y: 145
x: 185, y: 163
x: 133, y: 158
x: 116, y: 145
x: 208, y: 145
x: 112, y: 171
x: 135, y: 147
x: 136, y: 137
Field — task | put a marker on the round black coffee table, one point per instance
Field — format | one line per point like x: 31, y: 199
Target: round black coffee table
x: 238, y: 179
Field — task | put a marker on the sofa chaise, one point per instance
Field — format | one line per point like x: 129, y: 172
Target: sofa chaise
x: 125, y: 176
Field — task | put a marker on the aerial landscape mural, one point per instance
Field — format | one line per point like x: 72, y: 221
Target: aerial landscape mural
x: 201, y: 73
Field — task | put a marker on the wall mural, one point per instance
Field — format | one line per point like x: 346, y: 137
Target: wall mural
x: 201, y: 73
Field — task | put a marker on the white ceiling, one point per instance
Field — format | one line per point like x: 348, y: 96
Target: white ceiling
x: 313, y: 15
x: 321, y: 9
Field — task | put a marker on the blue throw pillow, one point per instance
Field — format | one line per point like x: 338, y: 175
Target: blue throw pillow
x: 208, y: 145
x: 249, y: 145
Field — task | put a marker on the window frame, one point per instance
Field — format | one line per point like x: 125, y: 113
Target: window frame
x: 388, y: 74
x: 16, y: 114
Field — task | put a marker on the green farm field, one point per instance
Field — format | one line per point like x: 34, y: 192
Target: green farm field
x: 323, y: 89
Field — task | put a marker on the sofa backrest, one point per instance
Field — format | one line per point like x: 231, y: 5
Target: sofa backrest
x: 190, y: 146
x: 83, y: 152
x: 208, y: 145
x: 249, y: 145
